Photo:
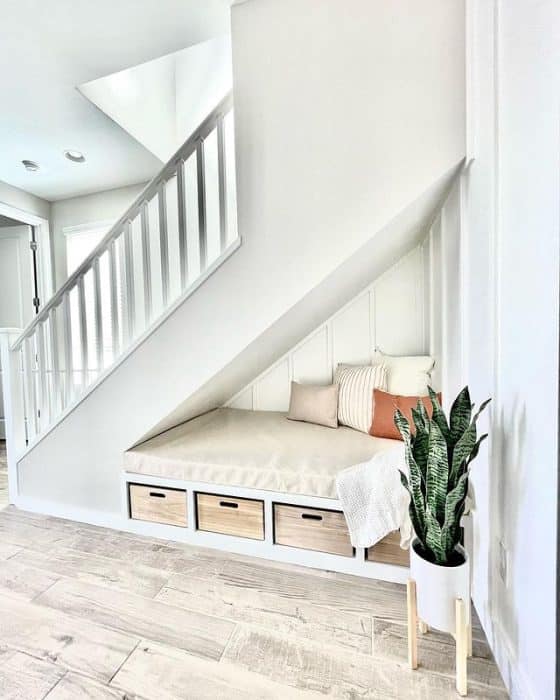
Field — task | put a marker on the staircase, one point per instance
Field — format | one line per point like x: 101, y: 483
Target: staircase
x: 333, y: 187
x: 180, y: 229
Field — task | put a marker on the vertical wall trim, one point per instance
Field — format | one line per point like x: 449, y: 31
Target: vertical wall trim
x: 432, y: 345
x: 471, y: 132
x: 330, y: 347
x: 464, y: 267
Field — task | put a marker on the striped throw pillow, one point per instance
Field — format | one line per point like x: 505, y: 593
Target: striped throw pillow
x: 355, y: 394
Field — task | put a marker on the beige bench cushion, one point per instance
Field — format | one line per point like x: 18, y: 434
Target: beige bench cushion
x: 254, y: 449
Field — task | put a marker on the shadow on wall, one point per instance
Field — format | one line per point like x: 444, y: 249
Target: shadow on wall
x: 508, y: 473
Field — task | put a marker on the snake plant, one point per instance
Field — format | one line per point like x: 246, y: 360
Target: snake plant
x: 438, y: 456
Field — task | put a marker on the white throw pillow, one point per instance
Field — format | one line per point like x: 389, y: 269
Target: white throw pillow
x: 408, y: 375
x: 355, y: 394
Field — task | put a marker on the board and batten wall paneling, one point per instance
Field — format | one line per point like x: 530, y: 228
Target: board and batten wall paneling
x: 389, y: 314
x: 445, y: 304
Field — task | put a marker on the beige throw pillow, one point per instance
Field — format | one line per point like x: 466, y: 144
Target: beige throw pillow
x: 314, y: 404
x: 355, y: 395
x: 407, y: 375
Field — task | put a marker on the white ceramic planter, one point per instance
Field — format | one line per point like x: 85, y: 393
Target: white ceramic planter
x: 437, y: 589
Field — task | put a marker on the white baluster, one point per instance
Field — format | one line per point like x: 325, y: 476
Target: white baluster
x: 82, y: 320
x: 43, y: 398
x: 146, y: 266
x: 98, y: 314
x: 201, y: 204
x: 57, y: 401
x: 69, y: 387
x: 113, y: 284
x: 182, y: 219
x: 222, y: 182
x: 129, y: 281
x: 30, y: 388
x: 164, y: 246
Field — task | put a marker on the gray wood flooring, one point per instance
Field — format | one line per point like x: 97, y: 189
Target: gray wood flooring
x: 92, y: 613
x: 3, y: 475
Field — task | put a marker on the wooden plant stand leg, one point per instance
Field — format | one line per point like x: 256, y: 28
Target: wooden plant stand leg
x: 469, y: 639
x: 423, y: 627
x: 461, y: 644
x: 412, y: 624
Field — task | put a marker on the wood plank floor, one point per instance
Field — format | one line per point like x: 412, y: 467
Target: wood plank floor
x: 92, y: 613
x: 3, y: 475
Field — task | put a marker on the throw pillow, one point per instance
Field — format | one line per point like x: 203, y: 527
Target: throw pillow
x: 385, y: 405
x: 407, y: 375
x: 314, y: 404
x: 355, y: 396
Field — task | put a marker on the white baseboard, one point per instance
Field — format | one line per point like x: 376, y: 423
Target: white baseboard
x: 68, y: 512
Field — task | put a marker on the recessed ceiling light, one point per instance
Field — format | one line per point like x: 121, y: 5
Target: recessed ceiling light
x: 30, y: 165
x: 75, y: 156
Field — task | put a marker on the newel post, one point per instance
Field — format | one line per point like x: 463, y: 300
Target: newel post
x: 14, y: 412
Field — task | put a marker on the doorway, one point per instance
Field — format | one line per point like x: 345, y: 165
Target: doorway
x: 18, y: 274
x: 19, y: 283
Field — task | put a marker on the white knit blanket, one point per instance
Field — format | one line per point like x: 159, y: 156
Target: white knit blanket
x: 373, y: 499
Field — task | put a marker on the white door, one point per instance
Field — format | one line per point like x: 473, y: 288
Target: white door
x: 16, y: 285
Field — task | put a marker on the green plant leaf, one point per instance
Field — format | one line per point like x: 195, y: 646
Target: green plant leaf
x: 420, y: 417
x: 434, y: 542
x: 417, y: 420
x: 420, y: 452
x: 460, y: 415
x: 417, y: 489
x: 421, y: 408
x: 416, y: 516
x: 402, y: 426
x: 437, y: 472
x: 461, y: 454
x: 454, y: 507
x: 476, y: 448
x: 438, y: 416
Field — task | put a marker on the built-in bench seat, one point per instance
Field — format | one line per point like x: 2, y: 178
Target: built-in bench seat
x: 254, y: 449
x: 256, y: 482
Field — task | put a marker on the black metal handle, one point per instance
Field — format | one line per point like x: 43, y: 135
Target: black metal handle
x: 228, y: 504
x: 311, y: 516
x: 154, y: 494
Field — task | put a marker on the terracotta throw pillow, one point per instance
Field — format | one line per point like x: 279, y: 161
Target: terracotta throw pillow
x: 384, y: 407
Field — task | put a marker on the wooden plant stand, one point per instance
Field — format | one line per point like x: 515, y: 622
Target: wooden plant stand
x: 462, y: 636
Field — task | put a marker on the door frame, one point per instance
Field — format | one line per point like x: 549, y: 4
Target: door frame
x: 44, y: 248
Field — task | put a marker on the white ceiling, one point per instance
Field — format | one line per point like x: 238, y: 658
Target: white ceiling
x: 47, y: 49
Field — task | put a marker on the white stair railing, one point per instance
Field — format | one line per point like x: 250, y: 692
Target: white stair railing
x: 181, y: 227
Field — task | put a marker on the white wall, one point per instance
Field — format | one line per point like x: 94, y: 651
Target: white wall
x: 25, y: 201
x: 325, y: 169
x: 340, y: 112
x: 389, y: 314
x: 511, y: 322
x: 105, y: 206
x: 202, y: 78
x: 161, y: 102
x: 444, y: 289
